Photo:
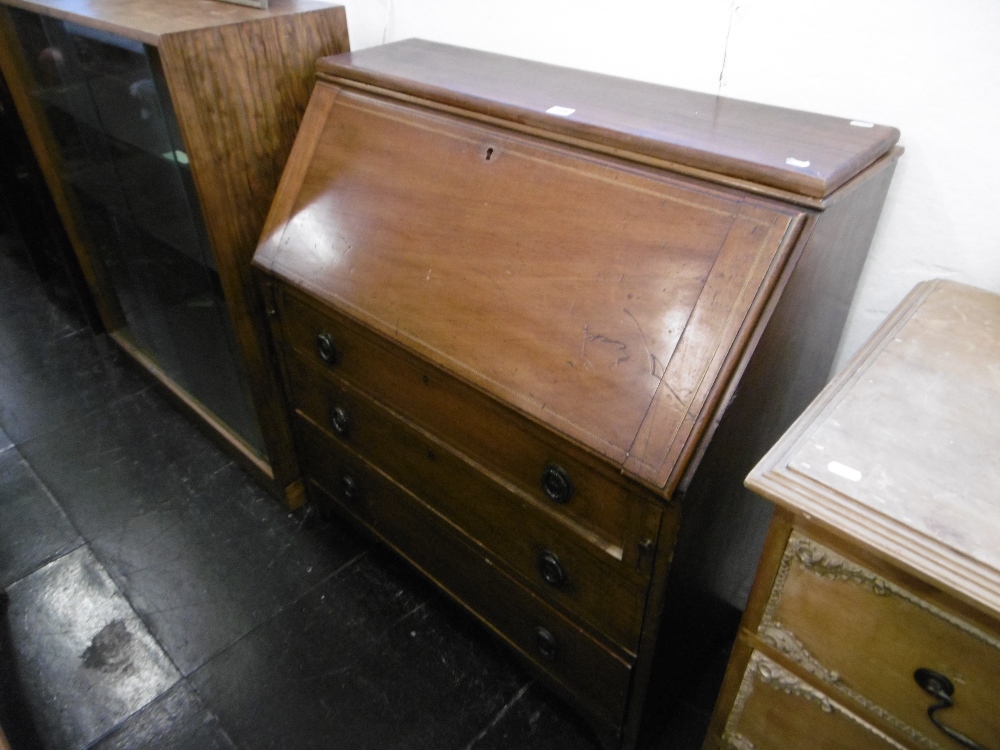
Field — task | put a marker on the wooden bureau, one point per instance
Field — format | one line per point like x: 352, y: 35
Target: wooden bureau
x: 878, y: 596
x: 514, y: 303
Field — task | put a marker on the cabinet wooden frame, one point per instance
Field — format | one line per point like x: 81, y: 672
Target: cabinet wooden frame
x: 237, y: 123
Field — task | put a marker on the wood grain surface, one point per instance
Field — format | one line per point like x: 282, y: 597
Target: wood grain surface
x: 149, y: 21
x: 238, y: 122
x: 796, y: 151
x: 574, y: 288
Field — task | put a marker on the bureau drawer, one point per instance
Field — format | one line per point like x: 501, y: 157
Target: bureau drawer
x: 593, y: 495
x: 546, y: 556
x: 775, y: 710
x: 587, y: 671
x: 865, y: 637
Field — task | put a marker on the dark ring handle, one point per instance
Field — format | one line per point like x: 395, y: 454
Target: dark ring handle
x: 326, y: 349
x: 349, y: 489
x: 340, y: 421
x: 556, y: 484
x: 546, y: 643
x: 551, y: 569
x: 940, y: 687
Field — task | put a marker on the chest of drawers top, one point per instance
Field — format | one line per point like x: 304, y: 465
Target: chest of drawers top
x: 600, y: 268
x: 899, y: 453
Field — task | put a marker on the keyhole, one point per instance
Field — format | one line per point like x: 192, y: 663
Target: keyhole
x: 489, y: 153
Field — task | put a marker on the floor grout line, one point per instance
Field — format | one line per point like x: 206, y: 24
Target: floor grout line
x: 500, y: 714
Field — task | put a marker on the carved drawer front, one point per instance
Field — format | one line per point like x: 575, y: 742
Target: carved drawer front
x: 546, y: 556
x: 865, y: 638
x: 567, y: 480
x: 775, y: 710
x: 590, y: 671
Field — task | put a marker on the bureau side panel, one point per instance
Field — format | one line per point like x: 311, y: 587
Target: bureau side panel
x: 723, y: 525
x: 240, y: 92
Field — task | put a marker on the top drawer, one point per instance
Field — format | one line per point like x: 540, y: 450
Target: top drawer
x: 596, y: 498
x: 865, y: 637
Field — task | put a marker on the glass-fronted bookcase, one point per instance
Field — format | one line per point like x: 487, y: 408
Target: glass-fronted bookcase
x: 163, y: 129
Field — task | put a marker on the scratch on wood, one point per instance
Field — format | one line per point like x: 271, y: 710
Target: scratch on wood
x: 601, y: 339
x: 653, y: 361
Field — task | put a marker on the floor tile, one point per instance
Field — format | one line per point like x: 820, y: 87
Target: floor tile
x: 41, y: 401
x: 40, y: 322
x: 16, y: 272
x: 178, y: 720
x: 133, y: 456
x: 202, y: 552
x: 536, y: 720
x: 81, y: 656
x: 202, y: 574
x: 33, y: 528
x: 372, y: 658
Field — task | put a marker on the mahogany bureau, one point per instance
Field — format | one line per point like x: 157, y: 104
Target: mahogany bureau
x: 517, y: 306
x: 875, y: 618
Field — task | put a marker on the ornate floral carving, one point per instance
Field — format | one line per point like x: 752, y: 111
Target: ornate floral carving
x: 825, y: 563
x: 784, y: 641
x: 775, y: 676
x: 739, y: 742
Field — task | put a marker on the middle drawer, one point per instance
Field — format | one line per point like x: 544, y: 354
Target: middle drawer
x: 545, y: 553
x: 576, y: 485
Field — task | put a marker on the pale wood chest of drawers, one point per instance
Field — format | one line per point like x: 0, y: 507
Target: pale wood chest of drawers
x: 878, y: 596
x: 509, y: 335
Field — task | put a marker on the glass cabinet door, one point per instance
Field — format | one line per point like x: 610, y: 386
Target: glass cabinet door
x: 122, y: 157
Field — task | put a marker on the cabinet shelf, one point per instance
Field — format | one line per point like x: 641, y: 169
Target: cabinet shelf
x: 96, y: 104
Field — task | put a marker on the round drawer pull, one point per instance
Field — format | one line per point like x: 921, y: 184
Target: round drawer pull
x: 340, y: 421
x: 551, y: 569
x: 350, y: 490
x: 546, y: 643
x: 326, y: 349
x: 941, y: 689
x: 556, y: 483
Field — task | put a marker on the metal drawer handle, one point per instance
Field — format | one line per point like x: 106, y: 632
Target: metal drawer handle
x: 350, y: 489
x: 551, y: 569
x: 546, y: 643
x: 325, y: 349
x: 940, y: 687
x: 556, y: 483
x: 340, y: 421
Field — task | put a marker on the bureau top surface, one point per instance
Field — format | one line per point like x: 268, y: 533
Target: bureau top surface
x: 795, y: 151
x: 902, y: 449
x: 148, y: 20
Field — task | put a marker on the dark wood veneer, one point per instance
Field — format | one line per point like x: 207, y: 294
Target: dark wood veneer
x: 643, y: 293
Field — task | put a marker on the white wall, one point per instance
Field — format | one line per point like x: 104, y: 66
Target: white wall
x: 932, y: 69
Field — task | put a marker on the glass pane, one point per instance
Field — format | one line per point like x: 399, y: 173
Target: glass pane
x: 110, y: 115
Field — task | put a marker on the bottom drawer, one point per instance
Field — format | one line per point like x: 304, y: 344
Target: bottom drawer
x: 591, y: 675
x: 775, y: 710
